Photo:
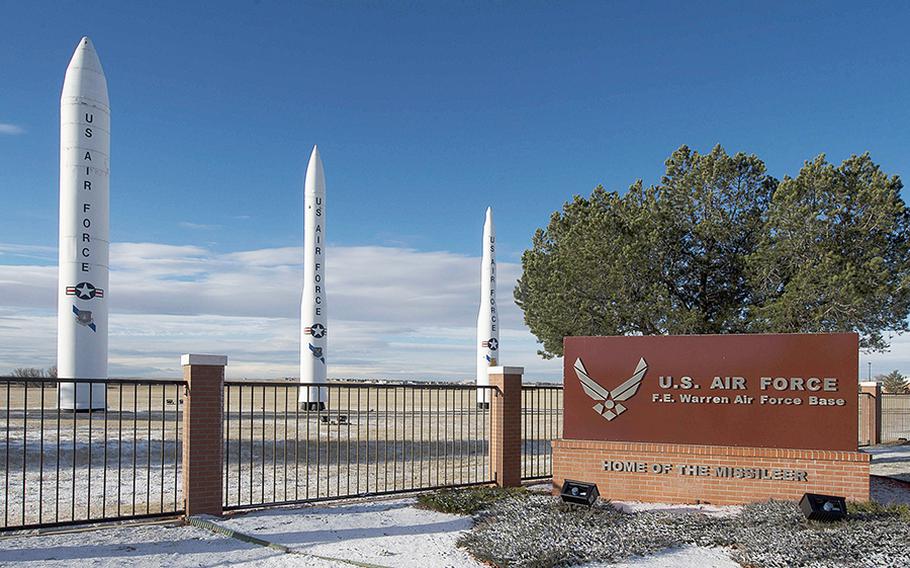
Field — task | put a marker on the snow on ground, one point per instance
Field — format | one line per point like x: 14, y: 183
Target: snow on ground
x: 381, y: 532
x: 709, y: 510
x: 891, y: 473
x: 889, y: 491
x: 388, y: 533
x: 692, y: 557
x: 141, y: 547
x: 890, y: 460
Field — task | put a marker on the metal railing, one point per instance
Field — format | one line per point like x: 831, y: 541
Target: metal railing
x: 60, y: 467
x: 866, y: 415
x: 895, y: 417
x: 541, y: 423
x: 370, y: 439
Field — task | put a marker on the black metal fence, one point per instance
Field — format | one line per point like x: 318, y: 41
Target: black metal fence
x: 123, y: 460
x: 895, y: 417
x: 370, y: 439
x: 866, y: 414
x: 541, y: 423
x: 61, y: 467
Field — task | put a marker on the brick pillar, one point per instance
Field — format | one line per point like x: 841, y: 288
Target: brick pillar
x: 505, y: 431
x: 874, y: 421
x: 202, y: 433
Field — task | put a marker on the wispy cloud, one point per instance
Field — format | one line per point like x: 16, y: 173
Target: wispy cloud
x: 393, y: 312
x: 13, y: 129
x: 35, y: 252
x: 203, y: 226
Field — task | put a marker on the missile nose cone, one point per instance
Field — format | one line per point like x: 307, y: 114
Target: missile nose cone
x: 85, y: 57
x: 315, y: 176
x: 84, y: 74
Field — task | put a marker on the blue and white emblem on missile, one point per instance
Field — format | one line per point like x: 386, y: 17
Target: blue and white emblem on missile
x: 317, y: 330
x: 84, y: 317
x: 84, y: 291
x: 317, y: 352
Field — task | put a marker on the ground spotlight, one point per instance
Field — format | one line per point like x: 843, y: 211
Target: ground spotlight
x: 823, y: 507
x: 579, y: 492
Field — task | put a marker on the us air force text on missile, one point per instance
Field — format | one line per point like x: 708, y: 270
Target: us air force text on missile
x: 782, y: 391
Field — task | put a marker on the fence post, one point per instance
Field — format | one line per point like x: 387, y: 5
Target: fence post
x: 505, y: 430
x: 202, y: 433
x: 875, y: 420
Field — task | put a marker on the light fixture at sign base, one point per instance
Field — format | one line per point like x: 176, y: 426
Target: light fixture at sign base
x: 823, y: 507
x: 579, y: 492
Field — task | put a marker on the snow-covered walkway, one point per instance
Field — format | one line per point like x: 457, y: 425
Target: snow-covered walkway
x: 385, y: 533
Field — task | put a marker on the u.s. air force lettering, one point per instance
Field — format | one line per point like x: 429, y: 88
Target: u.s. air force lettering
x: 795, y: 391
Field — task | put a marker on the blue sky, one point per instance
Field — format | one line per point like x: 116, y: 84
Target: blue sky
x: 425, y: 113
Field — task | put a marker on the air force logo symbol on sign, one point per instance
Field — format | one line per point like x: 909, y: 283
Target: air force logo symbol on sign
x: 608, y: 402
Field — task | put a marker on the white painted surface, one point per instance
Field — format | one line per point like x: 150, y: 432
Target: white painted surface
x: 506, y: 371
x: 198, y: 359
x: 83, y: 273
x: 313, y: 318
x: 488, y: 353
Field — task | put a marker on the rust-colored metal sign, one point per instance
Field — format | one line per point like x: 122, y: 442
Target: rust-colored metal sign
x: 781, y: 391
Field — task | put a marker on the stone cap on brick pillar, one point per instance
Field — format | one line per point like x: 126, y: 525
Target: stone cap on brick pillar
x: 212, y: 360
x: 506, y: 370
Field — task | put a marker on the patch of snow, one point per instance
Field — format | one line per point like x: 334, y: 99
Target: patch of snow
x: 888, y: 491
x: 890, y: 460
x: 710, y: 510
x: 388, y: 533
x: 690, y: 557
x: 143, y: 546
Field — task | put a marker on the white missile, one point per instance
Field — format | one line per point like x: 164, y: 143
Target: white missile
x: 85, y: 139
x: 313, y: 320
x: 488, y: 317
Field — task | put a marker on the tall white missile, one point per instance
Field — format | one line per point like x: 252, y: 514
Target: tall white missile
x: 488, y: 317
x: 82, y: 296
x: 313, y: 319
